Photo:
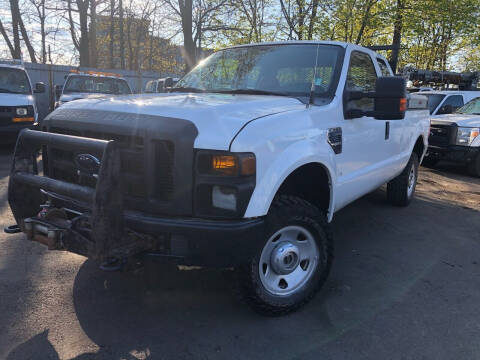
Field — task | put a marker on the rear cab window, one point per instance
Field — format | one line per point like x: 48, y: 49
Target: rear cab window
x: 384, y: 68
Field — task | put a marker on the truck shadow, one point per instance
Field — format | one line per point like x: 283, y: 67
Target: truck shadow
x: 164, y: 312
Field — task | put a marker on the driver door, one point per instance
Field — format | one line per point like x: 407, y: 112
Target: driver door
x: 359, y: 165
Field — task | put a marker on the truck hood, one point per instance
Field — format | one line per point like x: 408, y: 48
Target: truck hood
x: 7, y: 99
x: 218, y: 117
x: 459, y: 119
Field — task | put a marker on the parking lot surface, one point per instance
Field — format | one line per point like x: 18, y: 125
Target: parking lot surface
x: 405, y: 284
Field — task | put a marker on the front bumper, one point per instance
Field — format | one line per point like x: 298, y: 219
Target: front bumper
x: 9, y: 133
x: 453, y: 153
x: 93, y: 222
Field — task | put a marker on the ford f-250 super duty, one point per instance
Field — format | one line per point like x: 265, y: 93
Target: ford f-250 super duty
x: 242, y: 164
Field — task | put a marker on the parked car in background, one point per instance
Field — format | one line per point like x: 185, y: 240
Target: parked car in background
x: 242, y: 164
x: 90, y: 84
x: 456, y: 137
x: 17, y: 103
x: 160, y: 85
x: 447, y: 101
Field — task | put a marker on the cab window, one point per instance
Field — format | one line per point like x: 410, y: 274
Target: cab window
x: 385, y: 70
x: 451, y: 103
x: 361, y: 76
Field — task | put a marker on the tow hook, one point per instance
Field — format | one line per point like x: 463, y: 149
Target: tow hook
x: 12, y: 229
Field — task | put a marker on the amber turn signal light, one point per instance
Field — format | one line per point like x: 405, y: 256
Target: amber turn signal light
x: 225, y: 164
x: 403, y: 104
x: 23, y: 119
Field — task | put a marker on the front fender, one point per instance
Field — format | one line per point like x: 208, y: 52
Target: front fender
x: 279, y: 167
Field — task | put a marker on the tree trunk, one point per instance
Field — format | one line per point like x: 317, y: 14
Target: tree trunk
x: 122, y: 37
x: 42, y: 30
x: 26, y: 40
x: 7, y: 40
x: 186, y: 11
x: 397, y: 34
x: 93, y: 34
x: 84, y: 40
x: 15, y: 24
x: 112, y: 32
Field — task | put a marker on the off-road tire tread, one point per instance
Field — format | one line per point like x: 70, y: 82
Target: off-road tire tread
x: 298, y: 209
x: 397, y: 187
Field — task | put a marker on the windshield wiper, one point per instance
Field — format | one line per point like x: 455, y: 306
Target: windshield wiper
x: 251, y: 92
x: 186, y: 89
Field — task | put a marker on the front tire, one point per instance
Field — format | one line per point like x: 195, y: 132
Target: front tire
x: 400, y: 190
x: 293, y: 262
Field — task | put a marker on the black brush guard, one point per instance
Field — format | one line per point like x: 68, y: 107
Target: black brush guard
x: 98, y: 232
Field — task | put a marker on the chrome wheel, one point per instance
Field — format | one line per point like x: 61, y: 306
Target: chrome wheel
x: 411, y: 181
x: 288, y: 260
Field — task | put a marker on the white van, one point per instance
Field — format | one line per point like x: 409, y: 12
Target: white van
x: 447, y: 101
x: 17, y: 103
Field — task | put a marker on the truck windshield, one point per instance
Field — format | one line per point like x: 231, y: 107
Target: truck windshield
x: 14, y: 81
x: 433, y: 101
x: 94, y: 84
x: 472, y: 107
x: 286, y: 70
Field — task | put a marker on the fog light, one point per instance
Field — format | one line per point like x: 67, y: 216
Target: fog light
x: 224, y: 198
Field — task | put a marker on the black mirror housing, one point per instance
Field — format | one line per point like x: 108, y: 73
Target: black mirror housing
x: 168, y: 82
x: 390, y: 98
x: 58, y: 91
x: 39, y: 88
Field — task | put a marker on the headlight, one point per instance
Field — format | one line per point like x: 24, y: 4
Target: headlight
x: 465, y: 136
x: 224, y: 183
x: 22, y: 111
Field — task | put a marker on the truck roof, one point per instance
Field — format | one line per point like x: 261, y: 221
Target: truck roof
x: 97, y: 75
x: 12, y: 66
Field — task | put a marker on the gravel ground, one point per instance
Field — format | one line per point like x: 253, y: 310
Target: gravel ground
x: 405, y: 285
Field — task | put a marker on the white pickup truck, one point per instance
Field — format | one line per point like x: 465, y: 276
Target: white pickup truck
x: 243, y: 164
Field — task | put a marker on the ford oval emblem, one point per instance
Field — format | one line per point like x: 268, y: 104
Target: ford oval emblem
x: 87, y: 163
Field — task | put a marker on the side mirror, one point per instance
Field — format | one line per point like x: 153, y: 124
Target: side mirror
x: 445, y: 109
x: 390, y: 100
x: 58, y: 91
x: 39, y: 88
x: 168, y: 82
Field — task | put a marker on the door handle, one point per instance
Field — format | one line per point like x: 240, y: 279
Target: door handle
x: 387, y: 130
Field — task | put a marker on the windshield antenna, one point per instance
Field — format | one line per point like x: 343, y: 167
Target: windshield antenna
x: 312, y: 88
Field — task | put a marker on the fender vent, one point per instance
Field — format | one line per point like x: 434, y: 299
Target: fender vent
x: 335, y: 139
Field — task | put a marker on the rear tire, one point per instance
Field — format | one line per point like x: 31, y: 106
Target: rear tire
x: 474, y: 166
x: 293, y: 262
x: 400, y: 190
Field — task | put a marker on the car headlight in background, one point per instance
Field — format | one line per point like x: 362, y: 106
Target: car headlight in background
x: 21, y: 111
x: 24, y: 114
x: 465, y: 136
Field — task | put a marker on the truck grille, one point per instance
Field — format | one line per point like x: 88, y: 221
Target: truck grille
x: 441, y: 135
x: 6, y: 114
x: 134, y: 161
